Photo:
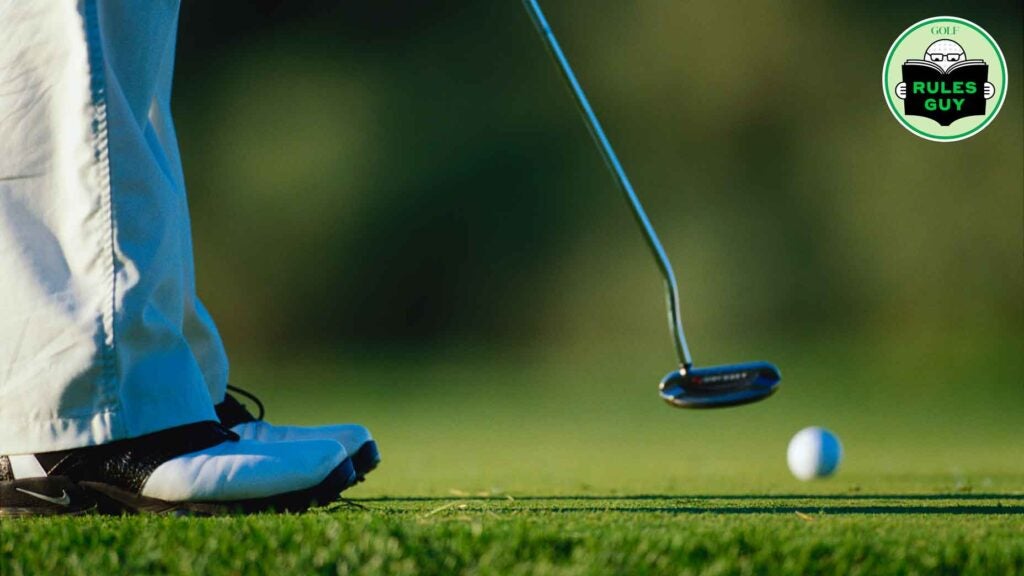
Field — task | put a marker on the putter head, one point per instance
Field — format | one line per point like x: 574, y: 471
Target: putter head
x: 720, y: 386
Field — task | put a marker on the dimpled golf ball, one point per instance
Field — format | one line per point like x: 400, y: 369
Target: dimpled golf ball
x: 814, y: 453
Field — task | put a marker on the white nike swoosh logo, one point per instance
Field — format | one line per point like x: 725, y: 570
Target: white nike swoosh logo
x: 64, y: 499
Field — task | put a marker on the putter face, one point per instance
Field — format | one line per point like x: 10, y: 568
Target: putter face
x: 720, y: 386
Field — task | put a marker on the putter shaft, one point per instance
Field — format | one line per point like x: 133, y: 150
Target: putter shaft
x: 603, y: 144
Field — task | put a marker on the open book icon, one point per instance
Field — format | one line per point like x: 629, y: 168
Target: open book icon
x: 948, y: 95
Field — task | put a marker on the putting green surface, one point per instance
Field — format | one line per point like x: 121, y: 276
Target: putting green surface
x: 977, y: 533
x: 527, y: 464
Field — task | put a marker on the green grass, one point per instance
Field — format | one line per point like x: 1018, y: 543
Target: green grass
x: 979, y: 534
x: 535, y: 464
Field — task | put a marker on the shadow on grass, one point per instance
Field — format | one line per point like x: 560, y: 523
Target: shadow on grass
x: 829, y: 504
x: 811, y: 509
x: 680, y: 497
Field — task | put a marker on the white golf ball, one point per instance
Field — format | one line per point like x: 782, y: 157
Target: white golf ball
x: 814, y: 453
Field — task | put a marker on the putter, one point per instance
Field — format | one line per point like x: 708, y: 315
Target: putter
x: 687, y: 387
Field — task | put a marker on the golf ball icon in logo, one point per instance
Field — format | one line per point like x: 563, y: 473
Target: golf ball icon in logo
x: 944, y: 79
x: 814, y: 452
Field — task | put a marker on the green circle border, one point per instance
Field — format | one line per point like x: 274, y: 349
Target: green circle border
x: 988, y: 118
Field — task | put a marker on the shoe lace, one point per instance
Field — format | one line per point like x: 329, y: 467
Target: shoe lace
x: 249, y: 396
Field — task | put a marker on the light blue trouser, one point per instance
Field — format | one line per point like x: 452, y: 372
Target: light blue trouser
x: 102, y: 336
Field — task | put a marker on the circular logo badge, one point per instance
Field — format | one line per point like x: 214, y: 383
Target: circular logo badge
x: 944, y: 79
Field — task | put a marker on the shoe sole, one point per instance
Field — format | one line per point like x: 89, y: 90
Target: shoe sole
x: 366, y: 458
x: 112, y: 500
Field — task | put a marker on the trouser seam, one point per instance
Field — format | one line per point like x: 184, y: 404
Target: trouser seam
x: 101, y: 164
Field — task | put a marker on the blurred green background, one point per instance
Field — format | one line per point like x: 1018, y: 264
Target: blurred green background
x: 400, y: 218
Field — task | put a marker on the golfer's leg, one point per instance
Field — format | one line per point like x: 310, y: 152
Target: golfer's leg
x: 102, y: 400
x: 287, y: 474
x: 94, y: 247
x: 198, y: 327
